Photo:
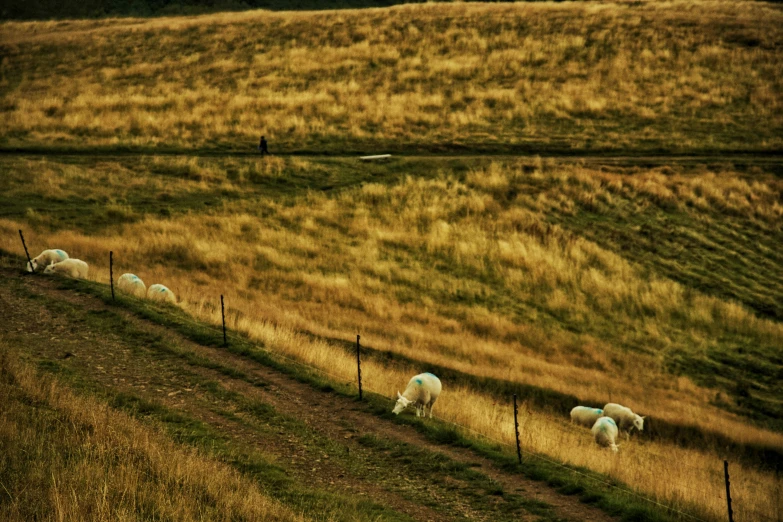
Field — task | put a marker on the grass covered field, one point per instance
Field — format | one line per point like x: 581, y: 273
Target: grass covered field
x: 675, y: 76
x: 505, y: 275
x: 653, y: 282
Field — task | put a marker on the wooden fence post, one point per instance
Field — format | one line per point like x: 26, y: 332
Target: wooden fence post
x: 728, y: 489
x: 516, y: 430
x: 29, y: 261
x: 359, y: 365
x: 111, y: 273
x: 223, y: 314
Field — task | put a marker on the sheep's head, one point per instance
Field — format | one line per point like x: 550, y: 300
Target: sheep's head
x: 49, y: 269
x: 32, y: 265
x: 402, y: 403
x: 614, y: 447
x: 638, y: 423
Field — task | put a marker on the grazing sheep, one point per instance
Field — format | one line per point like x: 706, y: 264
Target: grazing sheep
x: 131, y: 284
x: 422, y: 392
x: 585, y: 416
x: 46, y: 258
x: 605, y: 433
x: 70, y: 267
x: 624, y: 417
x: 161, y: 293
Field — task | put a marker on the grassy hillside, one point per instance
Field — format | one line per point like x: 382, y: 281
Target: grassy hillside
x: 523, y: 77
x: 67, y: 457
x: 53, y: 10
x: 651, y: 282
x: 486, y: 272
x: 169, y: 423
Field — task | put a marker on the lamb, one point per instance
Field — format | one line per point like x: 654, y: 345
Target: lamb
x: 422, y: 392
x: 585, y: 416
x: 159, y: 292
x: 624, y: 417
x: 46, y: 258
x: 70, y: 267
x: 131, y: 284
x: 605, y: 433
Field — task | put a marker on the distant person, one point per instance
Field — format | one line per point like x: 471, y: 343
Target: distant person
x: 262, y: 146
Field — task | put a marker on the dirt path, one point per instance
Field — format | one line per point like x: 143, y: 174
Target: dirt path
x: 322, y: 439
x: 771, y: 158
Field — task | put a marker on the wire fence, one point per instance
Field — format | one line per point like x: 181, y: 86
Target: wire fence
x: 206, y: 323
x: 603, y: 482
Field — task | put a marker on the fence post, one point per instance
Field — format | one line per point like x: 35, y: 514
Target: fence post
x: 728, y: 489
x: 111, y: 273
x: 516, y: 430
x: 223, y: 314
x: 29, y: 261
x: 359, y: 365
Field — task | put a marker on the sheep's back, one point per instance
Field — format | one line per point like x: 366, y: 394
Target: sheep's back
x: 421, y: 383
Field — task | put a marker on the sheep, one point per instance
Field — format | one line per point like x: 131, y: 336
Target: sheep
x: 422, y: 392
x: 70, y: 267
x: 131, y: 284
x: 159, y: 292
x: 46, y: 258
x: 625, y: 418
x: 605, y: 433
x: 585, y: 416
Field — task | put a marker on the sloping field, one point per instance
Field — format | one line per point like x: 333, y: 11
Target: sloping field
x: 656, y: 283
x: 104, y: 401
x: 673, y: 76
x: 480, y: 276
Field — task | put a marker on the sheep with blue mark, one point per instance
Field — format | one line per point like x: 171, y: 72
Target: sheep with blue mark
x: 46, y: 258
x: 422, y: 392
x: 132, y: 284
x: 158, y: 292
x: 625, y: 419
x: 585, y: 416
x: 605, y: 433
x: 71, y: 267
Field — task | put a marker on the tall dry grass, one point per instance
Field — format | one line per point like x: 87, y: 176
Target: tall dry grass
x: 445, y: 272
x: 67, y: 457
x: 670, y: 74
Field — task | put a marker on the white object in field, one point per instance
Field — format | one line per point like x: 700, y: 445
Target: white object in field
x: 625, y: 419
x: 422, y: 392
x: 132, y: 284
x: 585, y: 416
x: 605, y: 433
x: 376, y: 157
x: 159, y: 292
x: 70, y: 267
x: 46, y: 258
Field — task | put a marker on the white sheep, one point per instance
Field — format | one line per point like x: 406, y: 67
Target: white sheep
x: 132, y: 284
x: 422, y: 392
x: 46, y: 258
x: 605, y: 433
x: 626, y: 419
x: 585, y: 416
x: 70, y: 267
x: 159, y: 292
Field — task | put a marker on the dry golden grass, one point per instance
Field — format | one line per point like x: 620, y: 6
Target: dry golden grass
x: 73, y: 458
x: 414, y: 268
x: 667, y: 74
